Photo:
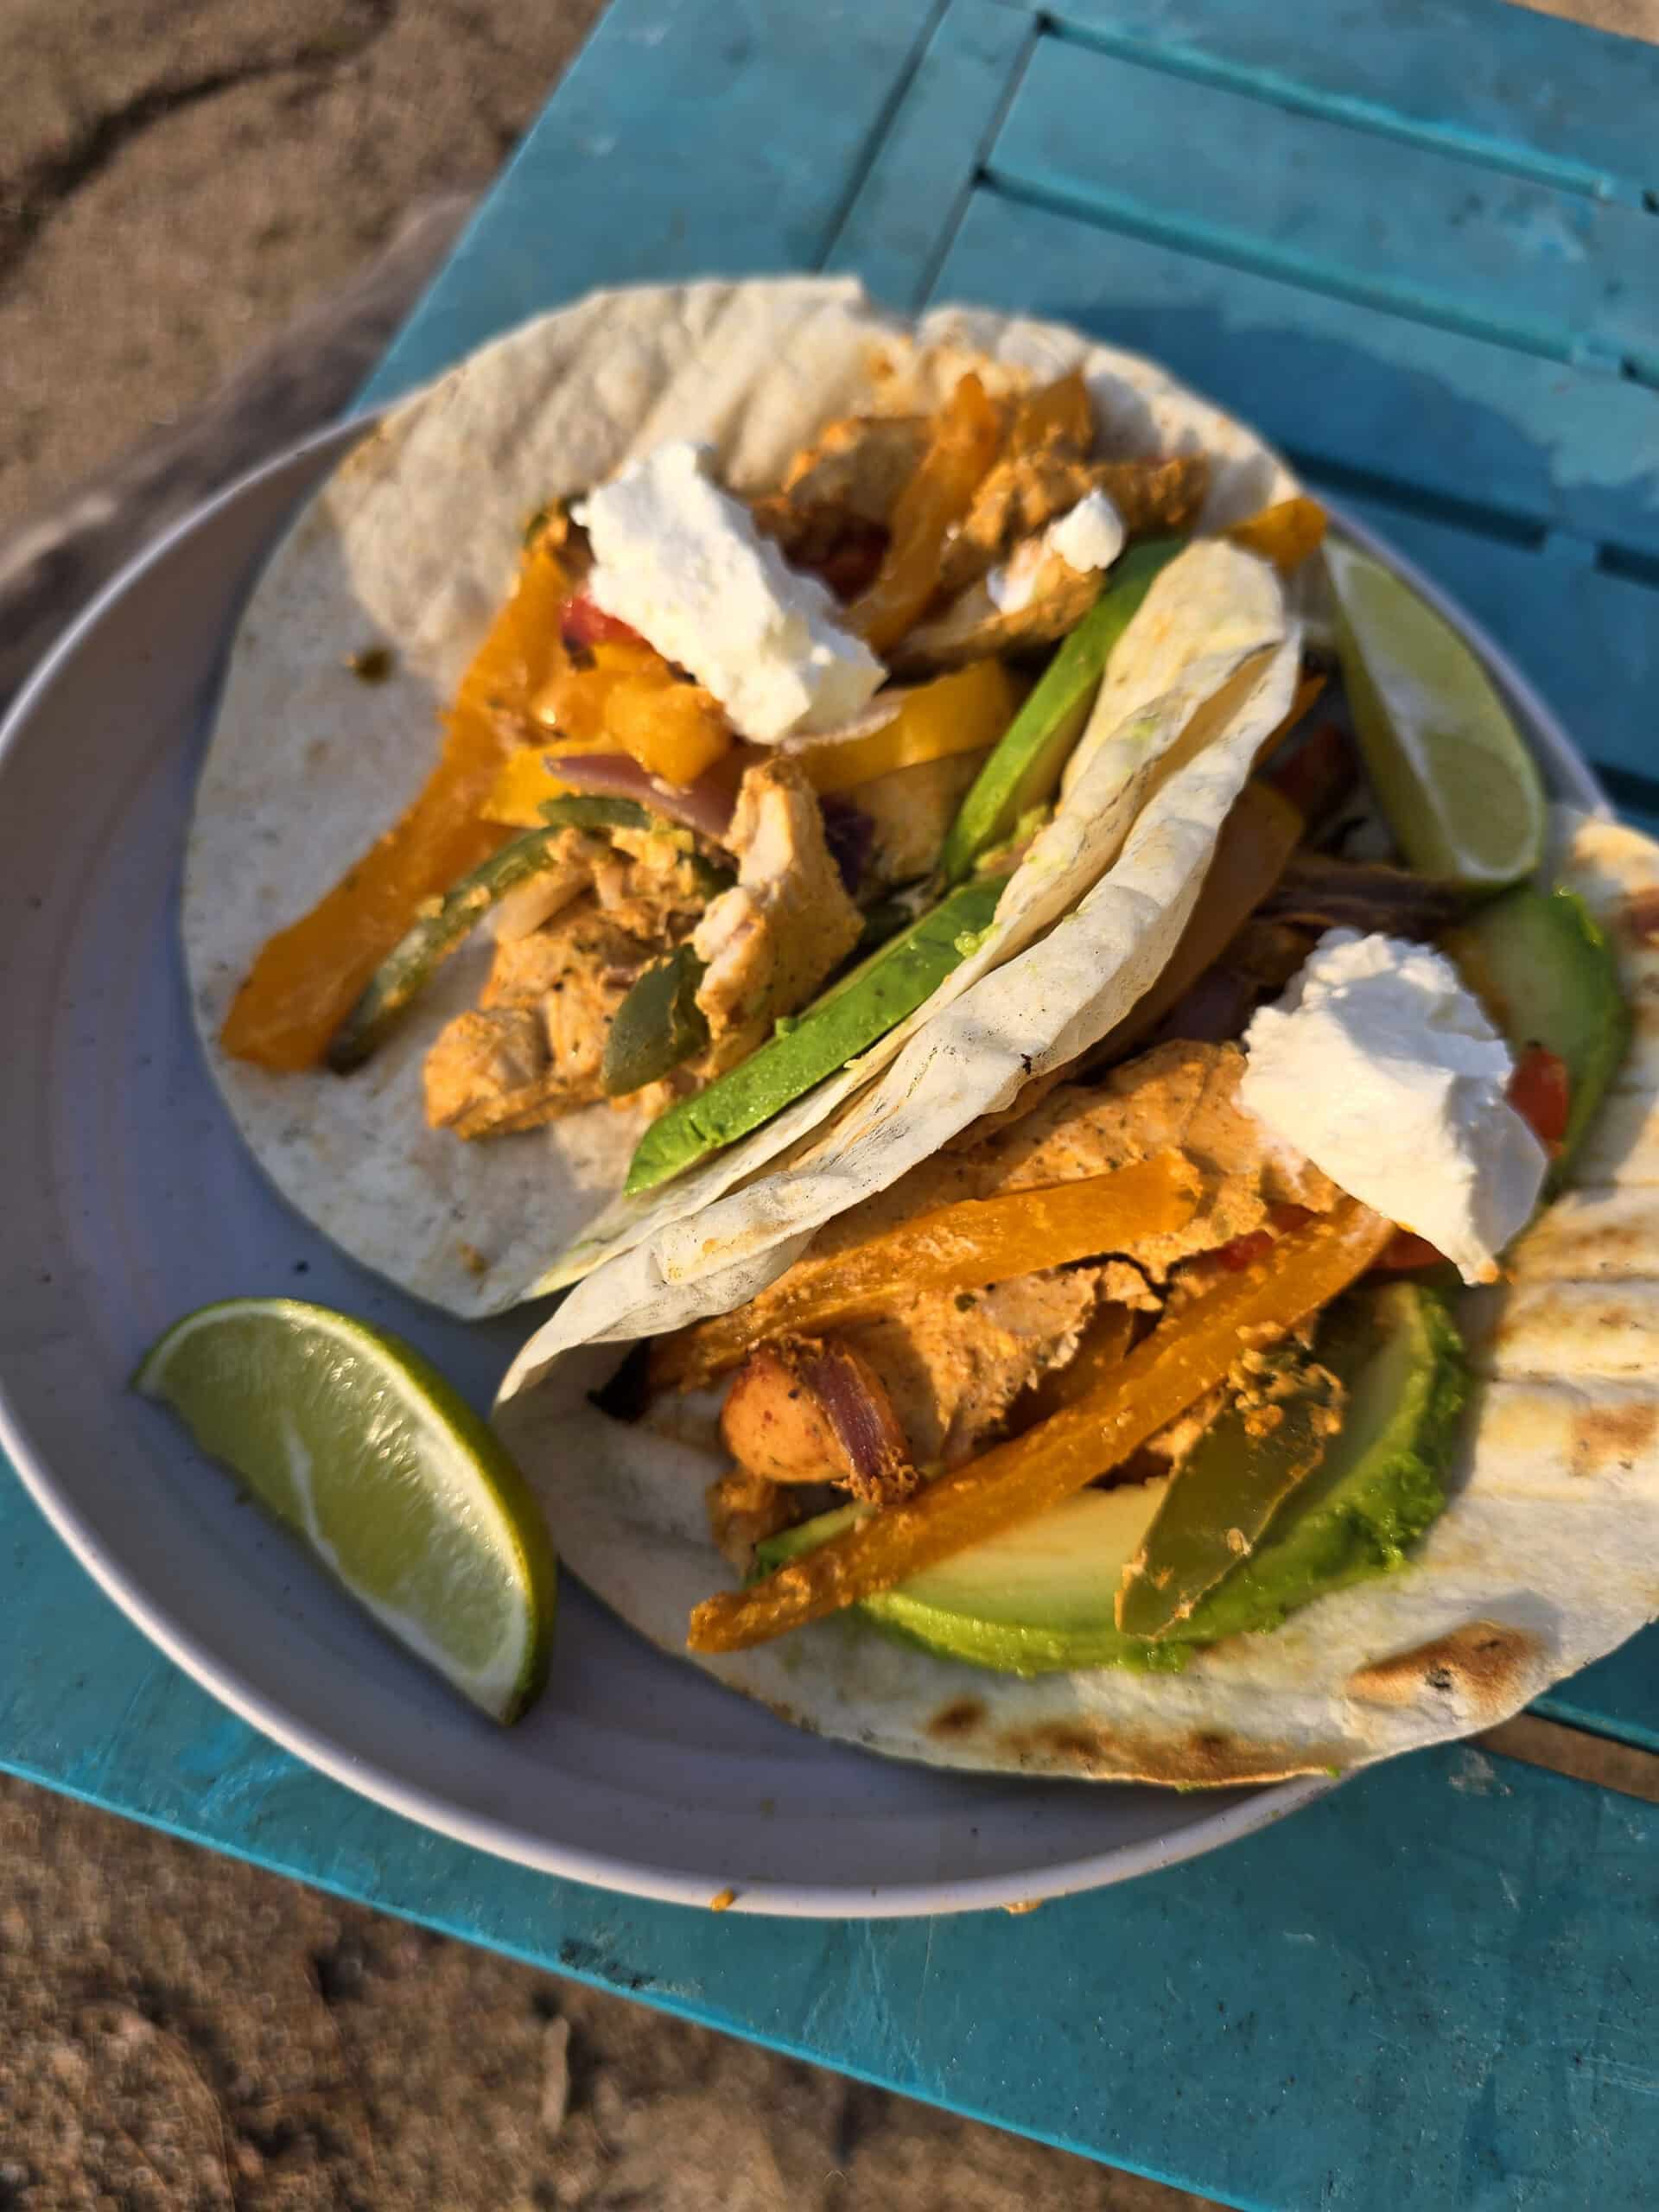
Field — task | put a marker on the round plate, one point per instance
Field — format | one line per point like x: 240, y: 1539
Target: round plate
x: 131, y: 1200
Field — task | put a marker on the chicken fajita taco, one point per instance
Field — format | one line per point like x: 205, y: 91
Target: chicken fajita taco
x: 1255, y: 1377
x: 662, y: 719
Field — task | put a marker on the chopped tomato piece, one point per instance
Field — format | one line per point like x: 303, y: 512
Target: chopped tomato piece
x: 1538, y: 1092
x: 581, y: 623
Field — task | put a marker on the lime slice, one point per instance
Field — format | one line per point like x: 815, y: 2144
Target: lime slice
x: 1461, y: 791
x: 362, y: 1449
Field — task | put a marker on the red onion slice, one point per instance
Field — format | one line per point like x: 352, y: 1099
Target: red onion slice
x: 705, y: 805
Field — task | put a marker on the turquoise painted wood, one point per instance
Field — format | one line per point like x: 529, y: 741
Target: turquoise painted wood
x: 1429, y: 1992
x: 685, y: 141
x: 912, y: 198
x: 1516, y: 91
x: 1524, y: 444
x: 1415, y: 229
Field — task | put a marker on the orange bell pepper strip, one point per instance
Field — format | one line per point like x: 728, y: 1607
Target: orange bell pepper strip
x: 961, y: 1247
x: 307, y: 978
x: 1061, y: 411
x: 1171, y: 1369
x: 1285, y: 534
x: 967, y: 436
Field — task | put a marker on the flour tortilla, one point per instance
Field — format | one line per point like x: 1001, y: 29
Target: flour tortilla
x: 413, y: 544
x: 1547, y: 1556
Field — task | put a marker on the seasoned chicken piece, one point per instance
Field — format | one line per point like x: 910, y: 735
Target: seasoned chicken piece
x: 744, y: 1509
x: 912, y: 809
x: 1023, y: 495
x: 480, y: 1061
x: 770, y: 941
x: 808, y: 1409
x: 1179, y: 1096
x: 973, y: 626
x: 954, y: 1362
x: 860, y: 464
x: 611, y: 908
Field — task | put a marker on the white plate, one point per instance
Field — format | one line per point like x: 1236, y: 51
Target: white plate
x: 130, y: 1200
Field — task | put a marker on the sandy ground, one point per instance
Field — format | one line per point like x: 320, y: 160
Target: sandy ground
x: 180, y: 2033
x: 176, y: 183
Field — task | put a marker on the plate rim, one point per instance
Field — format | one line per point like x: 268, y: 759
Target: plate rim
x: 372, y: 1778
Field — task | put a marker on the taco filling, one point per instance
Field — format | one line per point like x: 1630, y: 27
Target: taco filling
x: 714, y: 751
x: 1170, y: 1349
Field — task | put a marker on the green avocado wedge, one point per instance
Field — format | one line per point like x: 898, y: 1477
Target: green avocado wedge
x: 1041, y: 1600
x: 1026, y: 762
x: 1543, y: 967
x: 850, y: 1017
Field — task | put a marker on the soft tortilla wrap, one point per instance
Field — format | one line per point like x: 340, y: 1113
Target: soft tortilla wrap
x: 1545, y: 1558
x: 413, y: 544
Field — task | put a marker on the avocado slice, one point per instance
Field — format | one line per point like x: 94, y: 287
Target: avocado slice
x: 874, y: 998
x: 1040, y: 1599
x: 1541, y: 966
x: 1026, y: 760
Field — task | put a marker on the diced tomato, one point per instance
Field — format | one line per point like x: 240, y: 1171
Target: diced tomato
x: 1409, y: 1251
x: 1539, y: 1094
x: 583, y: 623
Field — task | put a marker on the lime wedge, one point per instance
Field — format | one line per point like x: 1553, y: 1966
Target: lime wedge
x: 357, y: 1445
x: 1460, y: 790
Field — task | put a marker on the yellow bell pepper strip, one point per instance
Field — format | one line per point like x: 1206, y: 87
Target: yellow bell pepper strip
x: 1285, y: 534
x: 967, y: 436
x: 966, y: 711
x: 961, y: 1247
x: 1262, y: 831
x: 307, y: 978
x: 1171, y: 1369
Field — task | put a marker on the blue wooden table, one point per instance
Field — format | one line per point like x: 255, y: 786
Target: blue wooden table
x: 1423, y: 255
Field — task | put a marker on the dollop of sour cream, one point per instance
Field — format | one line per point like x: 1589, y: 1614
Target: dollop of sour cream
x: 1380, y: 1065
x: 681, y: 560
x: 1088, y: 535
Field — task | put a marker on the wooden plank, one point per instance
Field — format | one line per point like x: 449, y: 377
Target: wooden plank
x: 684, y: 142
x: 912, y: 195
x: 1516, y: 90
x: 1571, y: 1750
x: 1424, y: 1992
x: 1417, y: 230
x: 1537, y: 444
x: 1589, y: 641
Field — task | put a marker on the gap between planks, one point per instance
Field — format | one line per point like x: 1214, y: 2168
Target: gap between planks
x: 1575, y: 1752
